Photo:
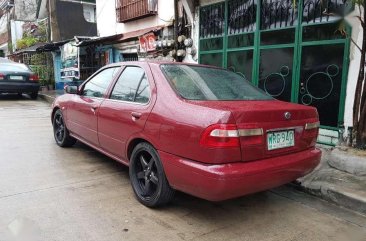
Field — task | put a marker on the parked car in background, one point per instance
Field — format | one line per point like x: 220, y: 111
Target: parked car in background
x: 202, y: 130
x: 5, y: 60
x: 18, y: 78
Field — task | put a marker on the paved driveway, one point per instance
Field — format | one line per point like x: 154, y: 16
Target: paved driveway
x: 78, y: 194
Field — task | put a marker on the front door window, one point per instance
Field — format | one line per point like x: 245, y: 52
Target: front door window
x: 98, y: 85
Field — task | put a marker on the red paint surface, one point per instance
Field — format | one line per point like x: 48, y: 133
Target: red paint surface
x: 174, y: 126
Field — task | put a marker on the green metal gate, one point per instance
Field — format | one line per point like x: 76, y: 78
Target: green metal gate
x: 292, y: 49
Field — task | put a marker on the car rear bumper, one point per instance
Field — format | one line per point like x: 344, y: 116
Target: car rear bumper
x: 18, y: 87
x: 221, y: 182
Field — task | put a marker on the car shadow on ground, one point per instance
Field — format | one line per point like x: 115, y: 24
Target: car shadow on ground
x: 23, y: 97
x: 183, y: 200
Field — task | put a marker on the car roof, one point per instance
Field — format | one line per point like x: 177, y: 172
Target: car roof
x: 154, y: 62
x: 23, y: 66
x: 5, y: 60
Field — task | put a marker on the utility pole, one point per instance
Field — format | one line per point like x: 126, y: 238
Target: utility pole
x: 10, y: 47
x: 8, y: 19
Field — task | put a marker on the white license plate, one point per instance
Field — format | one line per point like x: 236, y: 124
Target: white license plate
x: 15, y: 77
x: 280, y: 139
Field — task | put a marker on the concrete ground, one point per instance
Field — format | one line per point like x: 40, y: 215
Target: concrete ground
x: 79, y: 194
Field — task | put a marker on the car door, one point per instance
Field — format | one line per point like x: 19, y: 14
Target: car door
x: 126, y: 110
x: 83, y: 111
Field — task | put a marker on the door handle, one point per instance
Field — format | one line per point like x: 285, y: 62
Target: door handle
x: 93, y: 109
x: 136, y: 115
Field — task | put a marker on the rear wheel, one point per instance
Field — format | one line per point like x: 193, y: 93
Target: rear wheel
x: 34, y: 95
x: 148, y: 178
x: 61, y: 134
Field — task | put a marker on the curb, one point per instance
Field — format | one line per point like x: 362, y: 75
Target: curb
x: 337, y: 195
x: 47, y: 98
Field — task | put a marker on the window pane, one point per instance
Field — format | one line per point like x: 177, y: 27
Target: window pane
x: 212, y: 59
x: 322, y: 32
x: 239, y: 41
x: 98, y: 85
x: 278, y: 14
x: 321, y: 80
x: 275, y: 77
x: 282, y: 36
x: 316, y: 11
x: 211, y: 44
x: 143, y: 93
x: 212, y: 20
x: 203, y: 83
x: 242, y: 16
x: 241, y: 62
x: 127, y: 84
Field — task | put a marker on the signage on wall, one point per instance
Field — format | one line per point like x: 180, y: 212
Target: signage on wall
x: 70, y: 61
x: 147, y: 42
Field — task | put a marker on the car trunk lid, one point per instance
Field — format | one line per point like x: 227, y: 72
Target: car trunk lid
x: 15, y: 76
x: 270, y: 128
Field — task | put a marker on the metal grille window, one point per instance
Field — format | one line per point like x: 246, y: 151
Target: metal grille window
x: 289, y: 48
x: 278, y: 14
x: 318, y: 11
x: 241, y: 16
x: 130, y: 57
x: 212, y: 21
x: 127, y: 10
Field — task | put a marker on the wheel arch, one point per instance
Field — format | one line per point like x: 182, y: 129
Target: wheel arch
x: 54, y: 111
x: 133, y: 143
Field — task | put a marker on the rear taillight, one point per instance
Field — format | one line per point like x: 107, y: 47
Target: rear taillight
x: 34, y: 78
x: 251, y: 136
x: 220, y: 135
x: 228, y: 135
x: 2, y: 76
x: 311, y: 131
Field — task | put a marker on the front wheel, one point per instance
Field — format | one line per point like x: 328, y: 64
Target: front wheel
x: 60, y: 132
x: 148, y: 178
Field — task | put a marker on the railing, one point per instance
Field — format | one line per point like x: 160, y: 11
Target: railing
x: 128, y: 10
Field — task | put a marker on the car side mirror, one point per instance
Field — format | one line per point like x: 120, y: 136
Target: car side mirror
x: 71, y: 89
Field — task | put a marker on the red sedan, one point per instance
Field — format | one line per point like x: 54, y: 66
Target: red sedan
x: 201, y: 130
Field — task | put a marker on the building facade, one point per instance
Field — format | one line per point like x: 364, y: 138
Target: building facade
x: 293, y: 50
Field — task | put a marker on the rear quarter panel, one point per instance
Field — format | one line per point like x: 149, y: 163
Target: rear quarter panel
x: 175, y: 125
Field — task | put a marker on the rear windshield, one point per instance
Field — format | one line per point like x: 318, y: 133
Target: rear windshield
x: 14, y: 67
x: 204, y: 83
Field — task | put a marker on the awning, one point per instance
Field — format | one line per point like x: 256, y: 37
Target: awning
x: 118, y: 38
x: 96, y: 41
x: 47, y: 47
x: 29, y: 49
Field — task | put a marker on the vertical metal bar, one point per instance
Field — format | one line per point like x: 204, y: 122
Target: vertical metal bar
x: 270, y: 13
x: 225, y: 35
x: 297, y: 54
x: 199, y: 34
x: 256, y: 50
x: 344, y: 75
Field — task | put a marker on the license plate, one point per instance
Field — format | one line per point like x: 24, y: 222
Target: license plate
x: 280, y: 139
x: 15, y: 77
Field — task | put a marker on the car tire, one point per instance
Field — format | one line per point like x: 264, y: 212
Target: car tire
x: 20, y: 94
x: 148, y: 178
x: 60, y: 132
x: 34, y: 95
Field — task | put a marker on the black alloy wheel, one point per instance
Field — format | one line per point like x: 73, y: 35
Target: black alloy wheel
x: 148, y: 178
x: 60, y: 131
